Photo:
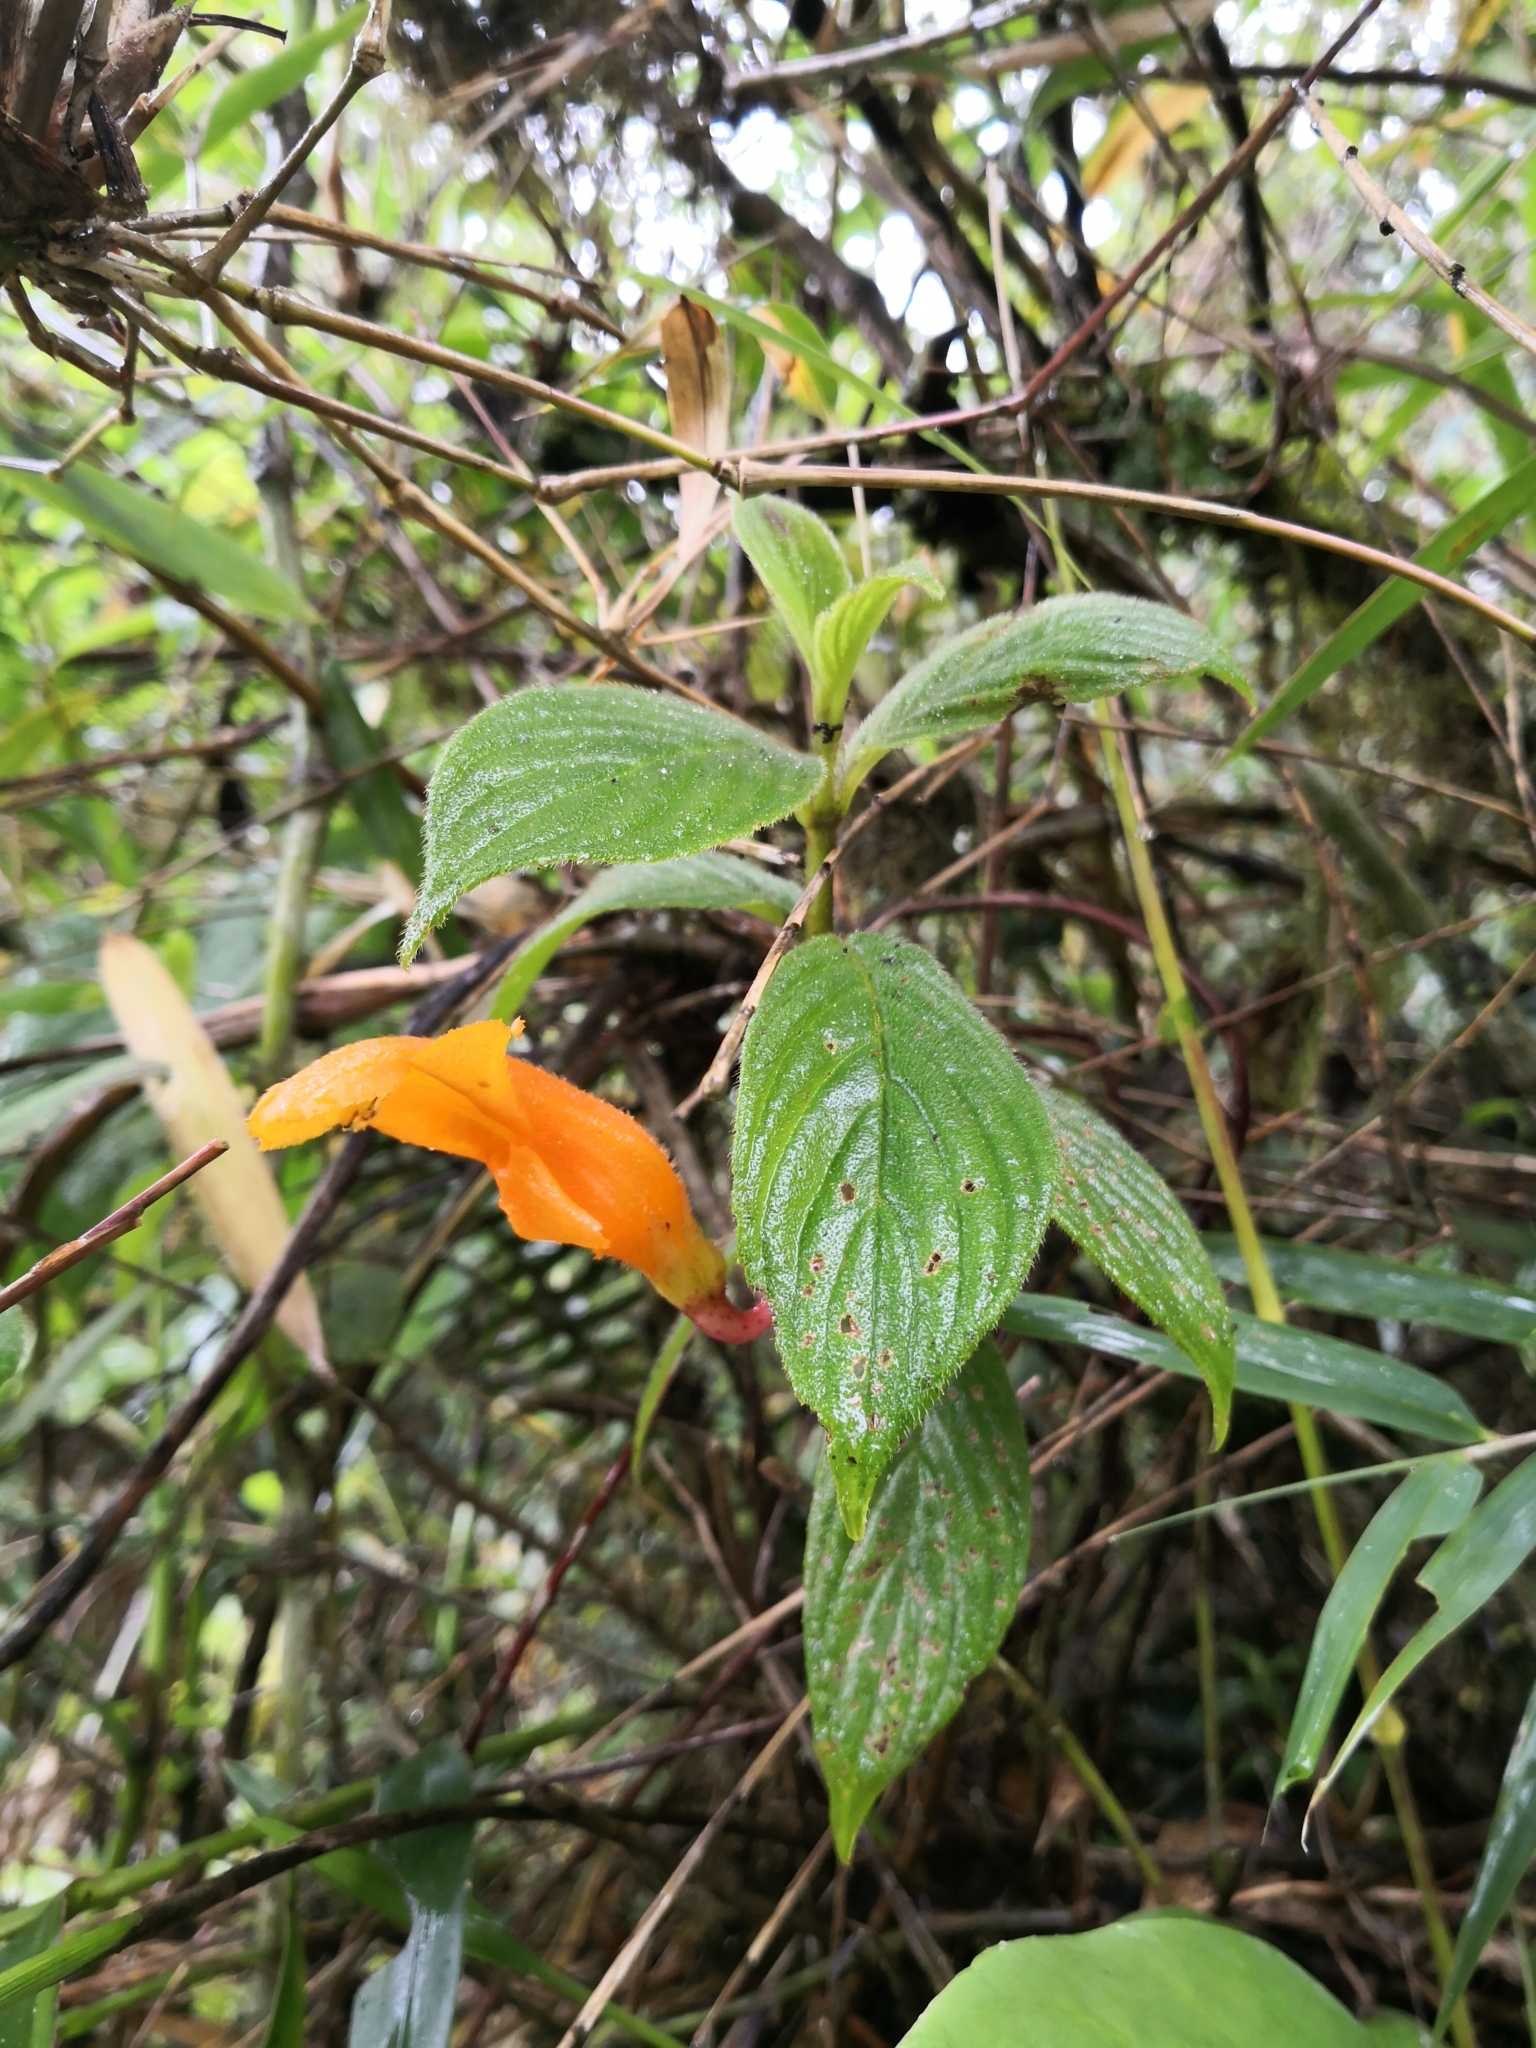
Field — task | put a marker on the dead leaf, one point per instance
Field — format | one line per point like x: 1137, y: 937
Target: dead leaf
x: 699, y: 400
x: 795, y: 373
x: 195, y: 1102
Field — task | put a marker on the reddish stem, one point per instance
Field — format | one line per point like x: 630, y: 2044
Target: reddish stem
x: 543, y: 1600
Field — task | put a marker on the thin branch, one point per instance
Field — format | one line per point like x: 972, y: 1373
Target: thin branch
x: 110, y: 1228
x: 368, y: 60
x: 750, y: 478
x: 1391, y: 217
x: 618, y: 1973
x: 543, y: 1600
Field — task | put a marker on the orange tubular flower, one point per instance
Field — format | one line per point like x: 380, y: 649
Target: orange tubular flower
x: 566, y: 1165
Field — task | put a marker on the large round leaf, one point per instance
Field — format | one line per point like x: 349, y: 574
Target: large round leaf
x: 1155, y: 1981
x: 598, y: 774
x: 897, y: 1624
x: 894, y: 1174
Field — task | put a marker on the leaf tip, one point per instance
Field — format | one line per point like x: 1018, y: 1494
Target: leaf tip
x: 849, y: 1802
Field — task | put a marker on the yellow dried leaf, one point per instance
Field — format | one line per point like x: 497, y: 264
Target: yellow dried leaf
x: 197, y: 1101
x: 699, y: 400
x: 795, y: 375
x: 1128, y: 138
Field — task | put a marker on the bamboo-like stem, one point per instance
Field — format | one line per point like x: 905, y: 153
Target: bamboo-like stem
x: 1267, y: 1306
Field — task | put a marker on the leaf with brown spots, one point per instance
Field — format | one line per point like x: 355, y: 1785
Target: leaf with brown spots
x: 897, y: 1624
x: 1133, y: 1227
x: 908, y: 1174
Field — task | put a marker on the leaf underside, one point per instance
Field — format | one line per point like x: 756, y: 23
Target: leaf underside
x: 1131, y: 1224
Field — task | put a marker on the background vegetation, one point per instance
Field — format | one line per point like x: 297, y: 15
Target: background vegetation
x: 262, y: 555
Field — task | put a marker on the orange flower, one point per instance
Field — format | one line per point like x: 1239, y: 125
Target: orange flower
x: 566, y: 1165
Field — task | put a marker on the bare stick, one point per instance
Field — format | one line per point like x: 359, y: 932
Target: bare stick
x: 718, y: 1077
x: 1391, y: 218
x: 110, y: 1228
x: 750, y: 477
x: 619, y: 1971
x: 368, y: 60
x: 762, y: 1941
x: 542, y: 1601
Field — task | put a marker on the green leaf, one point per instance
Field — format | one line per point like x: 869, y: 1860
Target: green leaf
x: 257, y: 89
x: 1353, y: 1284
x: 657, y: 1381
x: 699, y: 881
x: 799, y: 561
x: 897, y: 1624
x: 362, y: 1875
x: 36, y: 1935
x: 1134, y: 1228
x: 1072, y: 648
x: 379, y: 801
x: 594, y: 773
x: 843, y: 631
x: 1483, y: 1553
x: 148, y: 530
x: 1276, y: 1363
x: 25, y: 1117
x: 1152, y: 1981
x: 894, y: 1172
x: 16, y: 1340
x: 432, y: 1863
x: 17, y: 1418
x: 410, y: 2002
x: 1506, y: 1858
x: 285, y: 2022
x: 1513, y: 495
x: 1430, y: 1502
x: 26, y: 1977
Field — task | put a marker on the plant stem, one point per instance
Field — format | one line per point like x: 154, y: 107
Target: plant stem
x: 820, y: 838
x: 1266, y: 1302
x: 1088, y: 1772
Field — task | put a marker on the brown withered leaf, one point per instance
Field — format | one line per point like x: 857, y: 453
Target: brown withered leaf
x: 38, y: 189
x: 144, y: 33
x: 699, y: 400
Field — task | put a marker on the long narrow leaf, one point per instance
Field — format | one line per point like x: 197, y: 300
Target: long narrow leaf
x: 195, y: 1102
x: 1276, y: 1364
x: 257, y: 89
x: 1354, y: 1284
x: 147, y: 530
x: 1507, y: 1857
x: 1457, y: 539
x: 1430, y: 1502
x: 1466, y: 1571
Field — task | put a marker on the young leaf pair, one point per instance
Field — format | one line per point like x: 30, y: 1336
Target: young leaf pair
x: 603, y: 774
x: 1075, y: 649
